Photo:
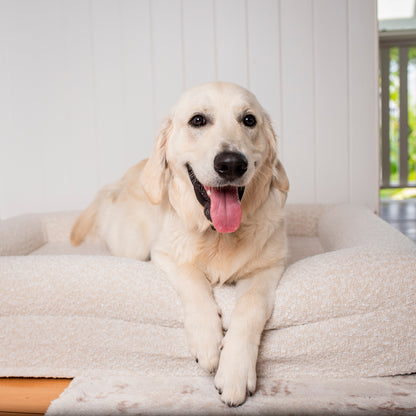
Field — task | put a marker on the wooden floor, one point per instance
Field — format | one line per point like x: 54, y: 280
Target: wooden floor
x: 29, y: 396
x: 401, y: 215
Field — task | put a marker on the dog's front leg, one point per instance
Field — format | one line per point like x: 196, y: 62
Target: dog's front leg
x: 201, y: 315
x: 236, y: 375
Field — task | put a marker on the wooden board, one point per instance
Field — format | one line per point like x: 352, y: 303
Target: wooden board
x: 29, y: 396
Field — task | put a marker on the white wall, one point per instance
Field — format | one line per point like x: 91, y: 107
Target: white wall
x: 84, y: 85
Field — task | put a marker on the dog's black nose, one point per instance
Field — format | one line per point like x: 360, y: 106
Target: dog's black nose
x: 230, y: 165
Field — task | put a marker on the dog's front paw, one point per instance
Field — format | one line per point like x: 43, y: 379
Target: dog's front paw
x: 204, y: 333
x: 236, y: 375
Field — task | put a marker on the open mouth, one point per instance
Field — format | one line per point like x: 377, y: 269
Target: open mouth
x: 221, y: 205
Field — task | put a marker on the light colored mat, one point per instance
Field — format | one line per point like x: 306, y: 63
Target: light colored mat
x: 197, y: 396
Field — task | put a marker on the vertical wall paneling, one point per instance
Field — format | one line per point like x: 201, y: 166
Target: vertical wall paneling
x: 263, y: 54
x: 198, y: 41
x: 56, y: 141
x: 331, y: 100
x: 231, y: 41
x: 108, y: 77
x: 298, y: 91
x: 140, y: 133
x: 167, y: 54
x: 6, y: 125
x: 85, y: 85
x: 36, y: 105
x: 81, y: 141
x: 363, y: 102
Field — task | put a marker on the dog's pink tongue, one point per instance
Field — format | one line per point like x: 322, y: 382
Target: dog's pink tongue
x: 225, y: 209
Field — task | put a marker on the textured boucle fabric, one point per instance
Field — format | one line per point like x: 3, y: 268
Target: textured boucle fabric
x: 345, y: 306
x: 21, y: 235
x: 303, y: 219
x: 350, y: 226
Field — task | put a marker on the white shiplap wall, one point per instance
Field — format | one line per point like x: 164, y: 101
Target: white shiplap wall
x: 84, y: 85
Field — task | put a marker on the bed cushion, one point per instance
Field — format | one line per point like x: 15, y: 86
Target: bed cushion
x: 345, y: 306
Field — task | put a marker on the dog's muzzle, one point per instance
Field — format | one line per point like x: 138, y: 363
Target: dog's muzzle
x: 219, y: 203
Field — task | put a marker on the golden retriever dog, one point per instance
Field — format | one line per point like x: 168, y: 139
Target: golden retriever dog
x: 207, y: 207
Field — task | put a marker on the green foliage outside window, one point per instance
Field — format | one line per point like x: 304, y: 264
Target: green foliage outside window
x: 394, y: 104
x: 395, y: 115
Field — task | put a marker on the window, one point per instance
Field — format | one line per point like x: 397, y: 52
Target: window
x: 397, y: 30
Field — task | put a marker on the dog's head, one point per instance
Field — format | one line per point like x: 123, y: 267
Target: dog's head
x: 217, y: 157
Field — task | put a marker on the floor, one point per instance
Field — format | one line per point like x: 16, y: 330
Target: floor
x: 401, y: 215
x: 29, y: 396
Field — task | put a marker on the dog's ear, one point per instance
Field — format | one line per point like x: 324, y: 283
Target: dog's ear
x: 279, y: 177
x: 153, y: 174
x: 280, y: 180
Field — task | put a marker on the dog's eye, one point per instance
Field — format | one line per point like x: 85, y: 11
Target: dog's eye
x: 198, y: 120
x: 249, y: 120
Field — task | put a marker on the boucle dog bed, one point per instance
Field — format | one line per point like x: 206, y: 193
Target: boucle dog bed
x: 345, y: 307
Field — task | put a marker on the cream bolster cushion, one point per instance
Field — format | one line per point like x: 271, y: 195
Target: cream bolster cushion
x: 330, y: 285
x: 346, y: 312
x: 21, y: 235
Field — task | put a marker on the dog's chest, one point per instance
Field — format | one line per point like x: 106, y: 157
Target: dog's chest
x: 225, y: 259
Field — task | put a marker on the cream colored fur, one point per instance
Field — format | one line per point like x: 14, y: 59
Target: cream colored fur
x: 153, y: 211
